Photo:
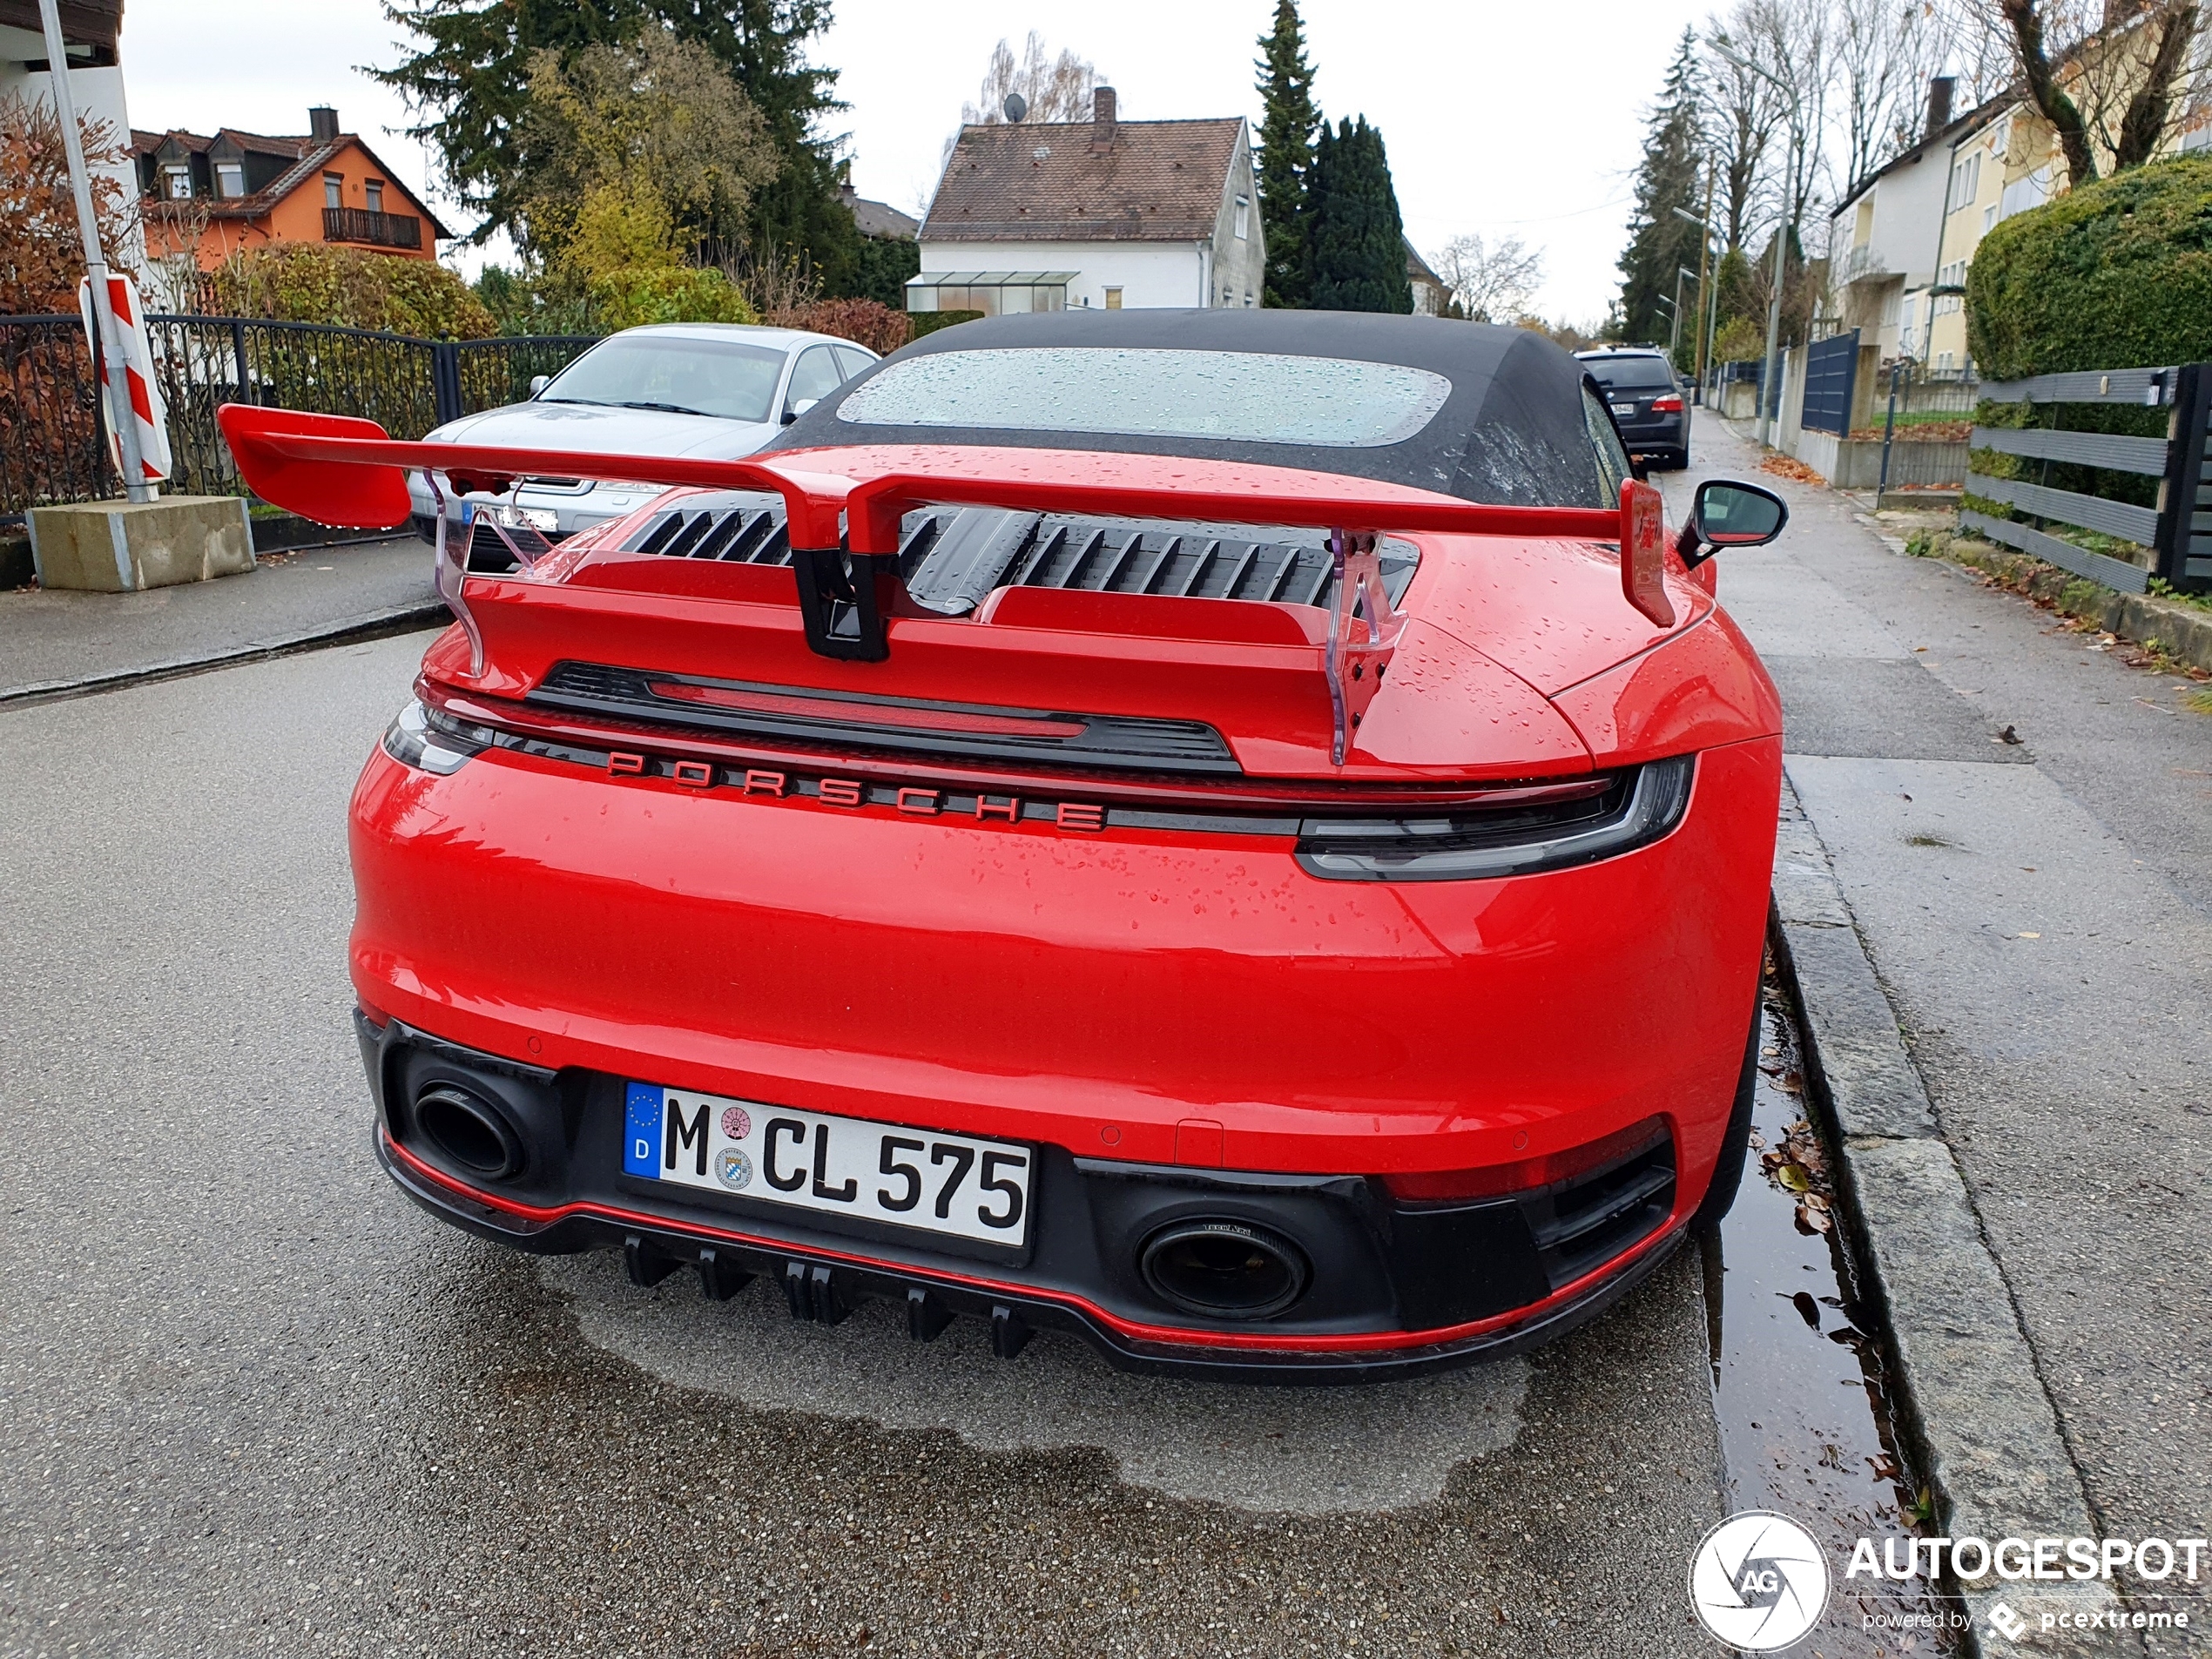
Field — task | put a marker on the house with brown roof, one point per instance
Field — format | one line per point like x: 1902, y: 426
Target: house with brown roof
x: 1046, y: 215
x: 232, y: 190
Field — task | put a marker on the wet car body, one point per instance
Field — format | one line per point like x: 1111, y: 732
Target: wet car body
x: 1107, y: 898
x: 1647, y: 399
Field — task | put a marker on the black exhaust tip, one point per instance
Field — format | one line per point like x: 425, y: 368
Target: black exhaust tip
x: 469, y: 1130
x: 1223, y: 1269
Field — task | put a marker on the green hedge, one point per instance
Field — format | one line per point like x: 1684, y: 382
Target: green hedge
x: 928, y: 322
x: 2117, y: 274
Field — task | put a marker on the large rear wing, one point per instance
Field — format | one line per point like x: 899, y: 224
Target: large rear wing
x: 844, y: 525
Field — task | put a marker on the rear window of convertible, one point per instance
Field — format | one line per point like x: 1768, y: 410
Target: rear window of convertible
x: 1250, y: 397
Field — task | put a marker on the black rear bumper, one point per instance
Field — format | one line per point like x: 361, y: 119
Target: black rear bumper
x: 1382, y: 1274
x: 1669, y: 433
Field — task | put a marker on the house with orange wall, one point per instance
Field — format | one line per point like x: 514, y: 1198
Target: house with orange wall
x: 234, y: 190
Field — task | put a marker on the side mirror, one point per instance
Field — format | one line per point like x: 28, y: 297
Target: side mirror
x: 1726, y: 514
x: 793, y: 411
x: 539, y: 382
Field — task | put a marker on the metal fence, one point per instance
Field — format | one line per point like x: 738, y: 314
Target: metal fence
x: 53, y: 446
x: 1750, y: 371
x: 51, y: 443
x: 1925, y: 392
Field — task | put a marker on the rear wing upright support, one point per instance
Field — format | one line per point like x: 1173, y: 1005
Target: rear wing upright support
x: 1363, y: 631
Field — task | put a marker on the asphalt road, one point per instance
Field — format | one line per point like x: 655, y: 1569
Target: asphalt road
x: 251, y: 1401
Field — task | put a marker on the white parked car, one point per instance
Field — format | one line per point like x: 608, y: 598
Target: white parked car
x: 717, y: 390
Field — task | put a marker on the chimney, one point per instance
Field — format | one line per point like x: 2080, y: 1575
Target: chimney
x: 322, y: 123
x: 1101, y: 118
x: 1939, y: 105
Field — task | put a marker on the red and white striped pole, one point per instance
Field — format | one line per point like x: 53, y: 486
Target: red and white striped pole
x: 140, y: 389
x: 122, y: 418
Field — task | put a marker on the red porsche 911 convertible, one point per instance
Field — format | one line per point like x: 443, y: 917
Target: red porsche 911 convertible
x: 1241, y: 835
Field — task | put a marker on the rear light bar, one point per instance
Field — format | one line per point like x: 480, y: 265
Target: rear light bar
x: 1527, y: 1175
x: 1669, y: 405
x: 340, y: 470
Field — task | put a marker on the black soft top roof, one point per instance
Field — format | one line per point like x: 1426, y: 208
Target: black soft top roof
x: 1512, y: 431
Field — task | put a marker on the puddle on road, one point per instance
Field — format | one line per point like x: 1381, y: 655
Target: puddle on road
x: 1797, y: 1382
x: 1290, y: 1451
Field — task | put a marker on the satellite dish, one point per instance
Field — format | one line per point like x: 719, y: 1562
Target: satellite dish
x: 1017, y: 106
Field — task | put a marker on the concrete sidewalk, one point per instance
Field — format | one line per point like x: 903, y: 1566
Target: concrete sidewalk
x: 51, y: 643
x: 2021, y: 828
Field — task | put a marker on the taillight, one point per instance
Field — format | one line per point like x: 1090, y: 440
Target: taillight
x: 1633, y: 812
x: 432, y: 740
x: 1526, y: 1174
x: 1666, y: 406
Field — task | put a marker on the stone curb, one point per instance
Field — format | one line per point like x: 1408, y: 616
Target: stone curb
x: 375, y: 625
x: 2184, y: 632
x: 1965, y: 1385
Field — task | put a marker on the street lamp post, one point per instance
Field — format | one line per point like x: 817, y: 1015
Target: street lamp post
x: 1708, y: 291
x: 1769, y: 395
x: 1674, y: 334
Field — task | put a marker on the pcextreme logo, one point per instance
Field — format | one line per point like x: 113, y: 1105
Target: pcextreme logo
x: 1759, y: 1582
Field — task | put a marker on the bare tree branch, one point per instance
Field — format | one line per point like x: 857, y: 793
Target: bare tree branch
x: 1492, y: 281
x: 1746, y: 111
x: 1884, y: 56
x: 2173, y: 28
x: 2024, y: 19
x: 1056, y: 89
x: 2111, y: 79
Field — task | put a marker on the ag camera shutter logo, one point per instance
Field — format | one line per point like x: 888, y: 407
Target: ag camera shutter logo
x: 1759, y: 1582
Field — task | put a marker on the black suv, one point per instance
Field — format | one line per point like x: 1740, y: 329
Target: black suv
x: 1647, y: 402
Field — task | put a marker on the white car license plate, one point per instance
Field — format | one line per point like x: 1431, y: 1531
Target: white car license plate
x: 541, y: 519
x: 1625, y: 408
x: 843, y: 1166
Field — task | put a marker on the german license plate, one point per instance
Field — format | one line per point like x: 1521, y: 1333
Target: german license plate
x: 841, y: 1166
x: 1625, y: 408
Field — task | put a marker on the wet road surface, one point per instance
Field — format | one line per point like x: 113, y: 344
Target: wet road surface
x: 250, y: 1400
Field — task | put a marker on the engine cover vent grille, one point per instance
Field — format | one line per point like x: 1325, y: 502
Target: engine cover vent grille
x: 951, y: 557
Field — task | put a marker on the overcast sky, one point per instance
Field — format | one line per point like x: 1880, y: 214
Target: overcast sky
x: 1503, y: 116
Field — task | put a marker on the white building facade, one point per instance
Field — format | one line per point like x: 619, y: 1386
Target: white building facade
x: 1103, y: 214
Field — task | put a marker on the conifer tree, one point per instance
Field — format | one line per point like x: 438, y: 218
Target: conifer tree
x: 1356, y: 239
x: 1661, y: 241
x: 1283, y: 159
x: 469, y: 77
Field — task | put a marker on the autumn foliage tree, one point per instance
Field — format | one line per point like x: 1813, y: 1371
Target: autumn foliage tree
x: 42, y: 255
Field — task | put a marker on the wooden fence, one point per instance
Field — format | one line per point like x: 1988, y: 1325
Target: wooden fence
x: 2178, y: 531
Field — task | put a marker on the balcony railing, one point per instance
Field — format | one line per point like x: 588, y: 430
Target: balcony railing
x: 1865, y: 261
x: 378, y: 230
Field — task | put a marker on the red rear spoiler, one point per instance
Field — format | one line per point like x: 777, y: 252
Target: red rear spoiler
x: 845, y: 530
